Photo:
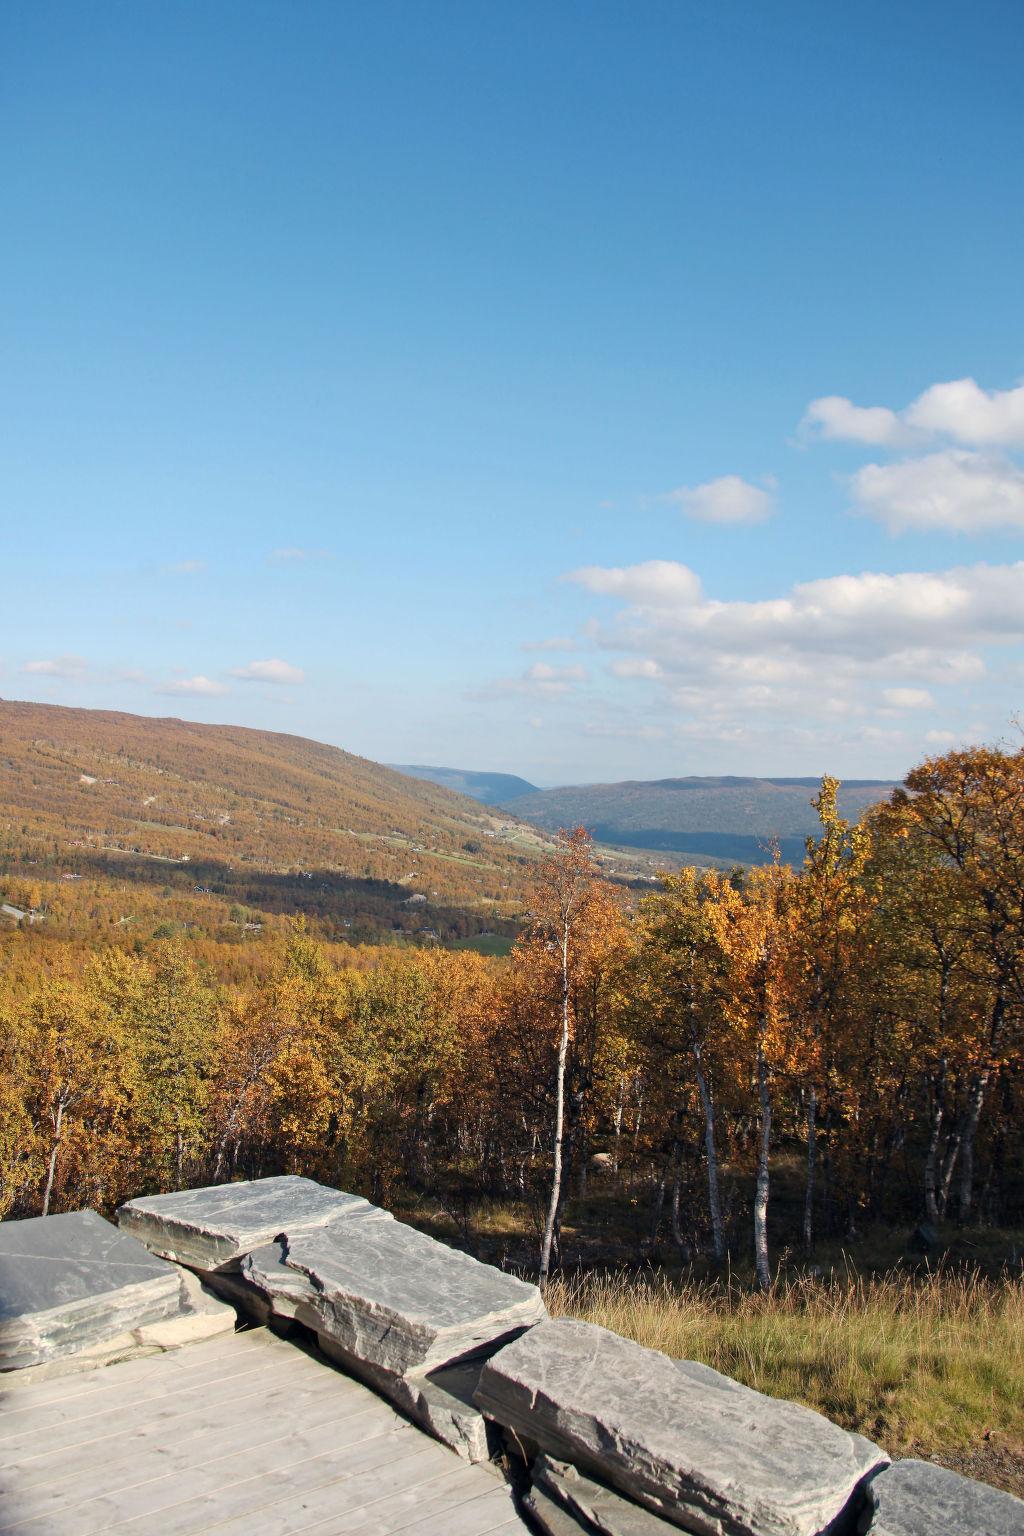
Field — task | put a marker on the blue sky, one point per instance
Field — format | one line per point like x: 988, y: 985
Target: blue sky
x: 556, y: 388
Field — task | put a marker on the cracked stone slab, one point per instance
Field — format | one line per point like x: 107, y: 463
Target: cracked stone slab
x: 214, y: 1227
x: 72, y: 1282
x: 917, y: 1498
x: 441, y: 1402
x: 566, y: 1502
x: 697, y: 1448
x: 393, y: 1297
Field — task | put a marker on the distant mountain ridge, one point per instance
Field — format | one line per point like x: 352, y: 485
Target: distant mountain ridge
x: 741, y: 819
x: 489, y: 788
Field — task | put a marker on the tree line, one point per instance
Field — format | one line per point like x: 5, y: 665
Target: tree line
x: 856, y: 1020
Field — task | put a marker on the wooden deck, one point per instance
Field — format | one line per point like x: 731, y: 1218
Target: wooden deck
x: 243, y: 1435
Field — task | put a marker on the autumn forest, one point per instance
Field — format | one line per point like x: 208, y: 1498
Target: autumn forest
x: 718, y: 1068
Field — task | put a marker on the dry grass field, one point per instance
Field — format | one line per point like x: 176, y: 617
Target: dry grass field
x: 929, y: 1366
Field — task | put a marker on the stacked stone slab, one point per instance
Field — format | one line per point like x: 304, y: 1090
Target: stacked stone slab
x: 405, y: 1313
x: 916, y: 1498
x: 73, y: 1286
x: 565, y: 1502
x: 212, y: 1229
x: 694, y: 1447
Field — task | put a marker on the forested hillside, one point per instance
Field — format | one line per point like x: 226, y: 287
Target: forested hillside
x: 489, y: 788
x: 730, y: 820
x: 269, y: 821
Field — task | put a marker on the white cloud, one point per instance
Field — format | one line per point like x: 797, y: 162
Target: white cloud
x: 186, y: 568
x: 841, y: 646
x: 200, y: 686
x: 955, y: 489
x: 837, y: 419
x: 940, y: 738
x: 653, y: 583
x: 541, y: 680
x: 959, y: 410
x: 965, y: 412
x: 907, y: 698
x: 639, y: 666
x: 71, y: 668
x: 728, y: 499
x: 273, y: 671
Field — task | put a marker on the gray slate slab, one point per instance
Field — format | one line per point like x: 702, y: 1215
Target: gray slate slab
x: 705, y: 1452
x: 213, y: 1228
x: 392, y: 1296
x: 70, y: 1282
x: 917, y: 1498
x: 441, y: 1401
x: 589, y: 1505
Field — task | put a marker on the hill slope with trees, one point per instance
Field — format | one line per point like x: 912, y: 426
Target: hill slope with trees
x: 267, y: 818
x: 727, y: 818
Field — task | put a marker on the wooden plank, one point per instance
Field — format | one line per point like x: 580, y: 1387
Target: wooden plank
x: 154, y: 1406
x: 397, y: 1487
x: 489, y: 1511
x: 248, y: 1436
x: 332, y: 1514
x: 25, y: 1414
x: 55, y: 1478
x: 17, y: 1392
x: 220, y: 1490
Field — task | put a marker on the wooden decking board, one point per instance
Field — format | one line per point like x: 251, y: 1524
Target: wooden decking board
x: 408, y: 1493
x: 190, y: 1444
x: 15, y: 1389
x: 456, y: 1509
x: 87, y: 1429
x: 244, y: 1432
x: 24, y: 1420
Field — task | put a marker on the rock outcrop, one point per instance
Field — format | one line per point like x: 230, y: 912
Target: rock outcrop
x: 695, y: 1447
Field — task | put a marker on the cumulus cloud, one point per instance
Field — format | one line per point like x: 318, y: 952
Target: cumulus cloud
x: 653, y: 583
x: 907, y: 698
x: 199, y: 686
x: 829, y: 648
x: 837, y: 419
x: 541, y: 680
x: 728, y: 499
x: 965, y: 412
x: 955, y: 489
x: 70, y: 668
x: 636, y: 666
x: 959, y: 410
x: 272, y: 671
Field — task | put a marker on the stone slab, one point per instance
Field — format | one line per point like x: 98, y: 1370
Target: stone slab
x: 553, y: 1518
x: 917, y: 1498
x: 703, y: 1451
x: 588, y: 1505
x: 214, y: 1227
x: 74, y: 1281
x: 392, y: 1296
x: 440, y: 1402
